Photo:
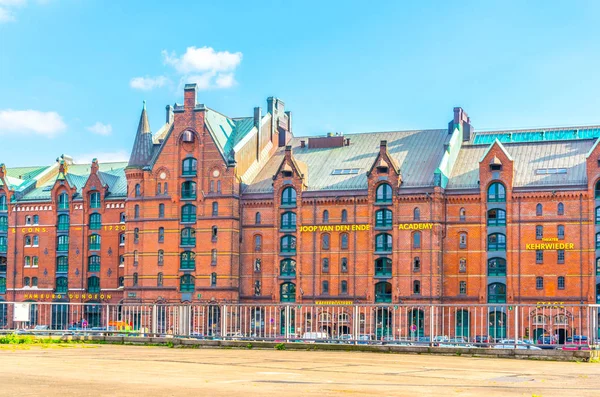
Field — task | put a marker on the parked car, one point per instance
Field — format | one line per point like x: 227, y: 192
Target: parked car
x: 459, y: 341
x: 512, y: 344
x: 315, y: 337
x: 481, y: 340
x: 578, y: 340
x: 575, y: 347
x: 365, y: 339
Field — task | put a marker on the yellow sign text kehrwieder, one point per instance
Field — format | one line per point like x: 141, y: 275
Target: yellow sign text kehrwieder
x: 550, y: 246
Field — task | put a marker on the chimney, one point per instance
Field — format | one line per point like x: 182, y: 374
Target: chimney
x: 347, y: 142
x: 169, y: 114
x: 462, y: 121
x: 189, y: 96
x: 382, y: 147
x: 288, y: 152
x: 289, y: 115
x: 303, y: 143
x: 257, y: 117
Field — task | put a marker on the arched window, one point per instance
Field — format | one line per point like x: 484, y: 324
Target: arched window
x: 161, y: 234
x: 188, y: 237
x: 166, y: 190
x: 26, y: 282
x: 325, y: 241
x: 93, y: 285
x: 159, y: 280
x: 288, y: 220
x: 597, y: 240
x: 36, y: 219
x: 218, y: 186
x: 343, y: 287
x: 344, y: 216
x: 211, y: 187
x: 188, y: 136
x: 383, y: 242
x: 288, y: 244
x: 497, y: 193
x: 383, y: 292
x: 161, y: 257
x: 34, y: 261
x: 122, y: 217
x: 462, y: 265
x: 325, y: 216
x: 287, y: 292
x: 383, y: 267
x: 417, y: 287
x: 288, y: 196
x: 93, y: 263
x: 344, y: 241
x: 161, y: 210
x: 95, y: 221
x: 214, y: 233
x: 462, y: 215
x: 189, y: 167
x: 462, y: 240
x: 383, y: 218
x: 325, y: 265
x: 27, y: 261
x: 95, y: 200
x: 325, y: 288
x: 598, y: 266
x: 138, y: 190
x: 188, y: 190
x: 136, y: 235
x: 215, y: 208
x: 158, y: 188
x: 188, y: 213
x: 597, y: 217
x: 94, y: 241
x: 496, y: 267
x: 416, y: 240
x: 417, y: 214
x: 213, y: 256
x: 496, y: 242
x: 416, y: 264
x: 287, y: 268
x: 538, y: 209
x: 257, y: 243
x: 496, y: 217
x: 122, y: 239
x: 121, y: 282
x: 383, y: 194
x: 63, y: 201
x: 187, y: 260
x: 560, y: 209
x: 213, y: 279
x: 136, y: 212
x: 497, y: 293
x: 28, y: 241
x: 539, y: 232
x: 257, y: 218
x: 187, y: 283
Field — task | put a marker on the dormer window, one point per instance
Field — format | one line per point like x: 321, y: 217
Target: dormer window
x: 188, y: 136
x: 382, y: 169
x: 495, y: 164
x: 287, y: 171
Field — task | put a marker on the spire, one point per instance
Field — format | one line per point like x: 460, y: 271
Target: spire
x: 142, y: 147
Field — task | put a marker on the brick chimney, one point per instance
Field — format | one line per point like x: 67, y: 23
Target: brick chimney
x: 461, y: 120
x: 189, y: 96
x: 169, y: 114
x: 382, y: 147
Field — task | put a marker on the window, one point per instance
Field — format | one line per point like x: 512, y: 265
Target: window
x: 188, y: 190
x: 187, y: 260
x: 416, y: 264
x: 325, y: 265
x: 560, y: 232
x: 213, y: 257
x: 538, y: 210
x: 462, y: 215
x: 383, y: 267
x: 383, y: 242
x: 344, y: 216
x: 138, y: 190
x: 34, y: 282
x: 417, y: 214
x: 257, y: 218
x: 166, y: 190
x: 3, y: 223
x: 3, y: 244
x: 539, y: 232
x: 35, y: 261
x: 345, y: 171
x: 462, y: 265
x: 257, y: 243
x: 161, y: 234
x: 36, y: 219
x: 344, y: 241
x: 188, y: 136
x: 63, y: 222
x: 325, y: 288
x: 95, y: 222
x: 187, y: 283
x: 287, y: 268
x: 560, y: 209
x: 62, y: 264
x: 158, y: 188
x: 28, y: 241
x: 26, y: 282
x: 383, y: 292
x: 62, y: 243
x: 287, y: 292
x: 36, y: 241
x: 497, y: 293
x: 218, y: 186
x: 93, y: 285
x: 63, y: 201
x: 288, y: 196
x: 215, y: 208
x: 462, y: 288
x: 211, y: 188
x: 136, y: 257
x: 122, y: 239
x: 257, y: 288
x: 189, y: 167
x: 161, y: 210
x: 213, y: 279
x: 288, y: 244
x: 325, y: 241
x: 136, y: 212
x: 121, y: 282
x: 496, y: 267
x: 121, y: 260
x: 597, y: 266
x: 496, y: 217
x: 135, y: 279
x: 496, y: 242
x: 122, y: 217
x: 416, y: 287
x: 136, y: 235
x: 94, y: 241
x: 2, y: 285
x: 560, y: 256
x: 383, y: 218
x: 539, y: 256
x: 597, y: 240
x: 416, y: 240
x: 62, y: 285
x: 383, y: 194
x: 188, y: 237
x: 27, y: 261
x: 94, y: 263
x: 344, y: 265
x: 462, y: 240
x: 95, y: 200
x: 539, y: 283
x: 325, y: 216
x: 28, y: 220
x: 496, y: 193
x: 159, y: 280
x: 3, y: 206
x: 344, y: 287
x: 188, y: 213
x: 288, y: 221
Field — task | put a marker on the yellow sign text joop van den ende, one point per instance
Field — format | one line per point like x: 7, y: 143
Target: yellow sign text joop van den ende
x: 335, y: 228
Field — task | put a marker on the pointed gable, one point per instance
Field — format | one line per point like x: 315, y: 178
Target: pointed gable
x: 142, y: 151
x: 384, y: 160
x: 292, y: 166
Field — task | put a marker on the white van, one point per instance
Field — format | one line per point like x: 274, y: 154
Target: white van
x: 312, y: 337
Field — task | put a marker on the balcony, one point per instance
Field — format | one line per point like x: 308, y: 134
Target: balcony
x: 94, y: 247
x: 187, y: 265
x: 188, y: 218
x: 383, y: 298
x: 3, y: 248
x: 94, y: 289
x: 188, y: 242
x: 383, y: 272
x: 497, y: 298
x: 383, y: 249
x: 62, y: 268
x: 94, y: 226
x: 63, y: 247
x: 497, y: 270
x: 188, y: 194
x: 64, y: 227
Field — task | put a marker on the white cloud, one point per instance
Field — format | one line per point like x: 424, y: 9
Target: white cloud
x: 100, y: 129
x: 225, y: 80
x: 7, y: 8
x: 204, y: 59
x: 148, y: 83
x: 34, y: 121
x: 103, y: 157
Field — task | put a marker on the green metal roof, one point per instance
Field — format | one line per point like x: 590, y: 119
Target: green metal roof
x: 536, y: 135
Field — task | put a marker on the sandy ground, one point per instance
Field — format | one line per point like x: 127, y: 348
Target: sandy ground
x: 106, y: 370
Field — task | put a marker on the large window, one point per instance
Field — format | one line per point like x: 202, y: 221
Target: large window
x: 383, y: 194
x: 560, y: 210
x: 560, y: 232
x: 383, y: 267
x: 416, y: 240
x: 95, y: 222
x: 288, y: 221
x: 288, y: 244
x: 287, y: 292
x: 416, y: 214
x: 325, y: 216
x: 496, y: 193
x: 539, y: 210
x: 496, y: 242
x: 138, y: 190
x: 188, y: 213
x: 188, y: 190
x: 187, y: 283
x: 383, y: 218
x: 94, y: 263
x: 188, y: 237
x: 325, y: 241
x: 62, y: 264
x: 383, y: 242
x: 63, y: 222
x: 189, y: 167
x: 95, y: 200
x: 497, y: 293
x: 3, y: 287
x: 62, y: 285
x: 288, y: 196
x: 94, y: 242
x: 287, y: 268
x: 93, y: 286
x: 3, y: 223
x: 3, y: 205
x: 496, y: 267
x: 62, y: 243
x: 63, y: 201
x: 3, y: 244
x: 344, y: 241
x: 383, y: 292
x: 496, y: 217
x: 187, y: 260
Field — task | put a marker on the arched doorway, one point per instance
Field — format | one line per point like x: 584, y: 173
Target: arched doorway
x: 416, y: 323
x: 497, y: 325
x: 383, y: 320
x: 462, y: 324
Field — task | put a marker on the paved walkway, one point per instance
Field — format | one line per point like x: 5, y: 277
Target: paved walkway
x: 106, y: 370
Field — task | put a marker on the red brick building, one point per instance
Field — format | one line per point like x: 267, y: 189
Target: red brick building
x: 217, y: 209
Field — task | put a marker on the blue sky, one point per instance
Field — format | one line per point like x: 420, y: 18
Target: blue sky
x: 74, y: 73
